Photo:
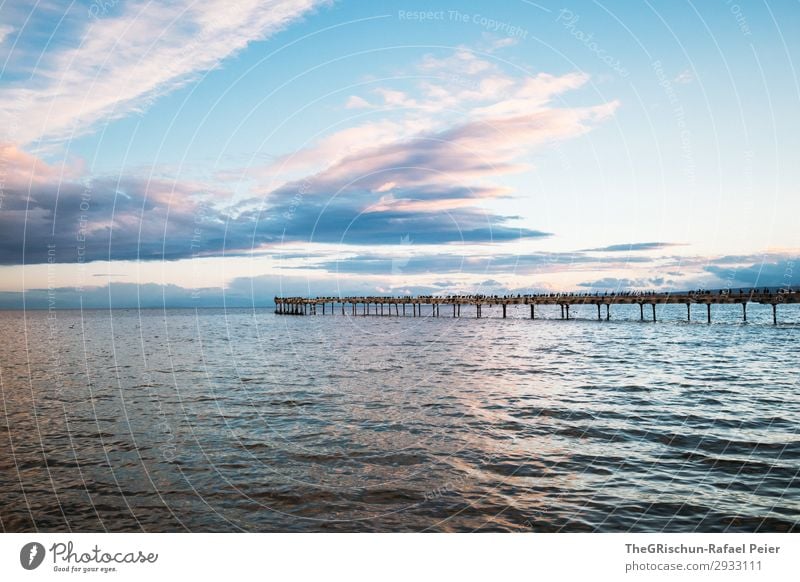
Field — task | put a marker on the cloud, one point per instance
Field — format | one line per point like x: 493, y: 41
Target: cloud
x: 356, y: 102
x: 21, y: 169
x: 426, y: 175
x: 451, y: 262
x: 432, y: 183
x: 498, y: 43
x: 776, y: 273
x: 625, y: 283
x: 770, y: 269
x: 454, y: 89
x: 5, y: 32
x: 259, y: 291
x: 535, y: 92
x: 631, y: 247
x: 327, y: 151
x: 106, y: 219
x: 462, y: 60
x: 425, y: 162
x: 130, y: 218
x: 123, y: 295
x: 684, y: 77
x: 122, y: 62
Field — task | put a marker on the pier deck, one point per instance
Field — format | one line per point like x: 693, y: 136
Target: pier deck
x: 401, y: 305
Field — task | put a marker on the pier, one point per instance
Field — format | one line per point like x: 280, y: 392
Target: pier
x: 408, y: 306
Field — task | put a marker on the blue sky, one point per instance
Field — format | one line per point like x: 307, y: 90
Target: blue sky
x: 198, y: 151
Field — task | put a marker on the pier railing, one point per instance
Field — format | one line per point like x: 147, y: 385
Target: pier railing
x: 402, y: 305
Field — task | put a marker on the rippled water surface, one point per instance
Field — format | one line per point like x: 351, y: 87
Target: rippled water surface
x: 243, y: 420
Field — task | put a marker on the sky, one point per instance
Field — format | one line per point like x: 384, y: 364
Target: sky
x: 208, y: 153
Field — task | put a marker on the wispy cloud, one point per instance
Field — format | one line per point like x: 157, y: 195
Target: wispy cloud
x: 122, y: 62
x: 460, y: 89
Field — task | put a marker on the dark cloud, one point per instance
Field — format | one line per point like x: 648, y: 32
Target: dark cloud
x: 113, y: 220
x: 115, y: 295
x: 725, y: 272
x: 342, y: 220
x: 613, y: 283
x: 784, y: 273
x: 136, y: 219
x: 625, y: 283
x: 410, y: 264
x: 630, y: 247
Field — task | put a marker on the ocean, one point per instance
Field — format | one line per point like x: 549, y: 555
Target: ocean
x: 243, y: 420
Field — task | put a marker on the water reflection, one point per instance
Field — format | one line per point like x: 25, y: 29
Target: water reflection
x: 242, y: 420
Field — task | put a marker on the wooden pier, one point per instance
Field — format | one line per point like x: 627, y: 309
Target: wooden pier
x: 408, y: 306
